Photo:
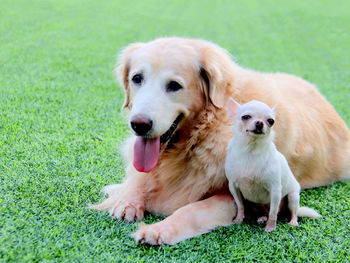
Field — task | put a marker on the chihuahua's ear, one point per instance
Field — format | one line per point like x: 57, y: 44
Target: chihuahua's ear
x: 232, y: 107
x: 274, y: 108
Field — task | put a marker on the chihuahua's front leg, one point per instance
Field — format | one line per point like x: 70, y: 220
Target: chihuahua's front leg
x: 275, y: 195
x: 293, y: 204
x: 239, y: 202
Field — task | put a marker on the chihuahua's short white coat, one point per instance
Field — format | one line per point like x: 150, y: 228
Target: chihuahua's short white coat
x: 254, y: 166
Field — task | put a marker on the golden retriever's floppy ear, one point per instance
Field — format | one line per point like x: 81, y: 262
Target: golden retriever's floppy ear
x: 216, y: 70
x: 122, y: 70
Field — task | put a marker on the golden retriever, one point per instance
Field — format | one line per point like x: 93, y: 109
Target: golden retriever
x: 176, y: 90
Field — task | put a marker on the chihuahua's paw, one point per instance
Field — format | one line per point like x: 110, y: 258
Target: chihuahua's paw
x: 238, y: 219
x: 262, y: 219
x: 293, y: 222
x: 156, y: 235
x: 270, y: 226
x: 269, y: 229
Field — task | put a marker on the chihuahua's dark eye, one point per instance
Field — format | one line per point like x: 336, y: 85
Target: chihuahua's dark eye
x: 270, y: 121
x: 173, y: 86
x: 246, y: 117
x: 137, y: 79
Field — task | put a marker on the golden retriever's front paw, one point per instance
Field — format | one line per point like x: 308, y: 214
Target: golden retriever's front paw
x: 155, y: 235
x: 122, y: 203
x: 127, y: 211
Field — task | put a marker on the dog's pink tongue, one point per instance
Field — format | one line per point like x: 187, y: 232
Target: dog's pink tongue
x: 146, y: 152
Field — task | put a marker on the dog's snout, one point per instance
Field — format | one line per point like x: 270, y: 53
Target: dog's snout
x: 259, y: 125
x: 141, y: 124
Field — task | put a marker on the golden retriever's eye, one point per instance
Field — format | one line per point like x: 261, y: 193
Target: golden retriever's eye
x: 173, y: 86
x: 137, y: 79
x: 246, y: 117
x: 270, y: 121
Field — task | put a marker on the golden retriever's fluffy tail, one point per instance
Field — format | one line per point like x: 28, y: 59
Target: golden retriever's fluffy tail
x: 307, y: 212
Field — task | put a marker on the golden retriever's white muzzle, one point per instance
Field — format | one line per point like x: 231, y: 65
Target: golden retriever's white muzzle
x: 152, y: 115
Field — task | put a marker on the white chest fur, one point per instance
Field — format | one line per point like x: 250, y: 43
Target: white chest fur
x: 258, y: 171
x: 248, y: 170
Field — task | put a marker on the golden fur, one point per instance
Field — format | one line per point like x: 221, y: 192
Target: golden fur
x: 188, y: 182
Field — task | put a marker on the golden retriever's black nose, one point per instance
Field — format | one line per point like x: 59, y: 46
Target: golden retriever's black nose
x: 141, y: 124
x: 259, y: 125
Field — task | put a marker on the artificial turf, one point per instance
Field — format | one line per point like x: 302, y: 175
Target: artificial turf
x: 61, y: 123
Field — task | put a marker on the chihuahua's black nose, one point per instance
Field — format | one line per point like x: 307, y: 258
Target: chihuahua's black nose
x: 141, y: 124
x: 259, y: 125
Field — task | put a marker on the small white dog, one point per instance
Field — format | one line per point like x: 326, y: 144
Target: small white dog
x: 256, y: 169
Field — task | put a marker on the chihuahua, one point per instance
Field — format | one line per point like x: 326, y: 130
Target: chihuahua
x: 256, y: 169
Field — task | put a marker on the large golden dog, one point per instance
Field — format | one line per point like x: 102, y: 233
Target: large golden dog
x: 176, y: 90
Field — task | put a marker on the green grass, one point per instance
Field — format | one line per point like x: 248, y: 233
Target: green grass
x: 61, y: 123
